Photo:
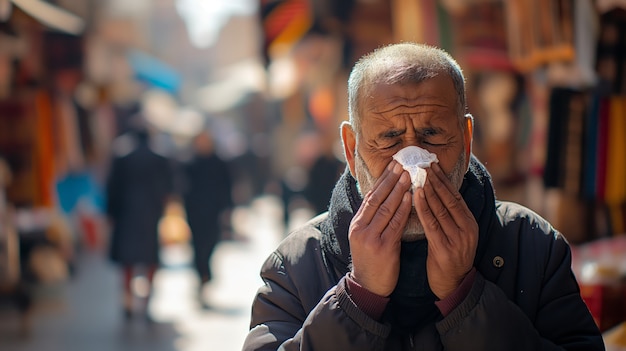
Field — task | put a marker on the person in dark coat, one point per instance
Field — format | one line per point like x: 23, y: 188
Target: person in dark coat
x: 207, y: 200
x: 139, y: 185
x: 439, y: 266
x: 323, y: 175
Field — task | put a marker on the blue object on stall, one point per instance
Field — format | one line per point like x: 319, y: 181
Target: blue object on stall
x: 153, y: 71
x: 78, y: 186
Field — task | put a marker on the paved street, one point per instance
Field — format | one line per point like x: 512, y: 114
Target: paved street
x: 85, y: 314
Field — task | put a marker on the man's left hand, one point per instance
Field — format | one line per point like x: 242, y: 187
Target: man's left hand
x: 451, y: 231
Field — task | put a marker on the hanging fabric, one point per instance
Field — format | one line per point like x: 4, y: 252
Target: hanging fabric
x: 539, y: 32
x: 563, y: 166
x: 591, y: 140
x: 615, y: 192
x: 44, y: 153
x: 603, y: 130
x: 284, y: 22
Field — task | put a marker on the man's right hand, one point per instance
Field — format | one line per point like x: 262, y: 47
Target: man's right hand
x: 376, y: 231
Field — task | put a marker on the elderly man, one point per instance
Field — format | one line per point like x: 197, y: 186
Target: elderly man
x: 443, y: 266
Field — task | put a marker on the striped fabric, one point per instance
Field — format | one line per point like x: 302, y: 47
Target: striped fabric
x: 284, y: 22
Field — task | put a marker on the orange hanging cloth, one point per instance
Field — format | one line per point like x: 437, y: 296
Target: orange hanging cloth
x: 615, y: 193
x: 44, y: 151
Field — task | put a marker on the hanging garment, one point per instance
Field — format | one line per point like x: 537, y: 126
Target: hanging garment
x: 44, y: 154
x: 590, y: 157
x: 564, y: 153
x: 611, y: 52
x: 572, y: 174
x: 603, y: 130
x: 615, y: 192
x: 539, y: 32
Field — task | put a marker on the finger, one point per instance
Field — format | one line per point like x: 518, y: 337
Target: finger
x: 456, y: 207
x: 395, y: 227
x: 438, y: 207
x: 379, y: 192
x: 432, y: 228
x: 450, y: 197
x: 388, y: 209
x: 366, y: 212
x: 436, y: 168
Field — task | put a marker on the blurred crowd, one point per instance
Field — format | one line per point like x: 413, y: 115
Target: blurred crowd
x: 126, y: 126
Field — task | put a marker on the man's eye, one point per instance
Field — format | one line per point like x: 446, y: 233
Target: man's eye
x: 391, y: 146
x: 429, y: 133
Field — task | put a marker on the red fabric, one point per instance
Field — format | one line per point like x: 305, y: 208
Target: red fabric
x: 603, y: 131
x: 449, y: 303
x: 372, y: 304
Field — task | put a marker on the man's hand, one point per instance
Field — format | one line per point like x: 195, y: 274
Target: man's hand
x: 376, y: 231
x: 451, y: 231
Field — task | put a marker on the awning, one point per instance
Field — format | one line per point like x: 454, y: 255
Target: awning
x: 52, y: 16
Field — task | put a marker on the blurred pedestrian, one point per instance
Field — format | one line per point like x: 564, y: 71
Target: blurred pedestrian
x: 139, y: 185
x: 323, y: 175
x: 207, y: 199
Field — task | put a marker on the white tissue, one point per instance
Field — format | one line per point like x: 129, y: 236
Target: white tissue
x: 414, y: 160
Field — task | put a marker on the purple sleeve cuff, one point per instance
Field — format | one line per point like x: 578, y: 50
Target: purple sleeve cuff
x: 371, y: 304
x: 453, y: 300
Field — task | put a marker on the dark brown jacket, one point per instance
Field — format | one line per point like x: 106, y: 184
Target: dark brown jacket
x: 524, y: 297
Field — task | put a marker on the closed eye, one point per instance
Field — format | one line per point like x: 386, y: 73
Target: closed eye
x: 392, y: 138
x: 392, y: 134
x: 432, y: 136
x: 391, y: 146
x: 434, y: 144
x: 429, y: 132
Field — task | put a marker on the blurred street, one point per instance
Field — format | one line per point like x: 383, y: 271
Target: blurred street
x: 85, y: 313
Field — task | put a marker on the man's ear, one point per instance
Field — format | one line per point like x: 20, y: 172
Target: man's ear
x: 348, y: 139
x: 468, y: 136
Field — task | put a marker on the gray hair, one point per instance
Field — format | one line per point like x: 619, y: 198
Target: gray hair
x: 400, y: 64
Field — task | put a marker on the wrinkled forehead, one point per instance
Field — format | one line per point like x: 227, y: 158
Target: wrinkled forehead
x: 398, y: 71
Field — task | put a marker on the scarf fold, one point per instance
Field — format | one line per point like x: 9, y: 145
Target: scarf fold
x: 412, y: 302
x: 344, y: 203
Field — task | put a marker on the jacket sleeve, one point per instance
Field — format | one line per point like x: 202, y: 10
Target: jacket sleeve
x: 488, y: 320
x: 281, y: 319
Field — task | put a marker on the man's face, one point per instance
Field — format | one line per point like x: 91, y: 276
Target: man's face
x: 397, y: 116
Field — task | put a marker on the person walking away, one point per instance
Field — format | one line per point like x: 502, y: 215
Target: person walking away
x: 138, y: 188
x: 322, y: 177
x: 207, y: 200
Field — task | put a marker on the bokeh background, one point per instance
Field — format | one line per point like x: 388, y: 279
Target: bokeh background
x: 546, y: 83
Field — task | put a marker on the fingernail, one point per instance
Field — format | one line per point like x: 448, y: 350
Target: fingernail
x: 404, y: 178
x: 397, y: 168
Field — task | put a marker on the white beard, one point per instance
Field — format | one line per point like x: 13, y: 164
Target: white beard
x: 414, y: 230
